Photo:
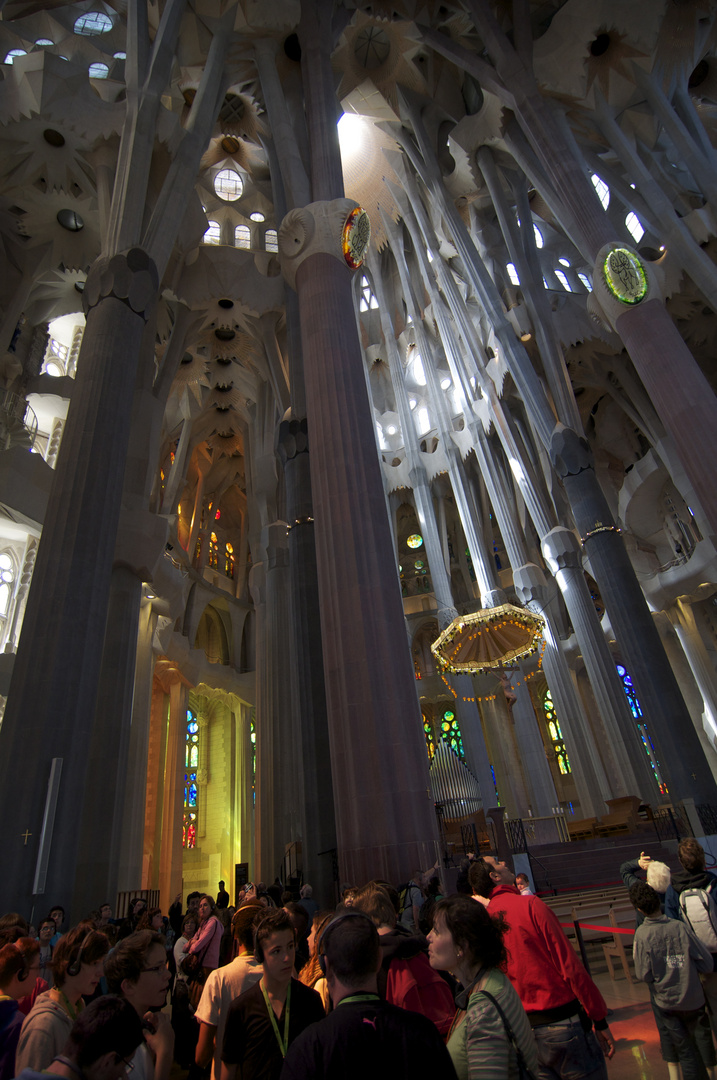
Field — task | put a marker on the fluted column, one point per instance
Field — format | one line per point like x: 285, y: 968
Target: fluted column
x: 319, y: 823
x: 384, y: 815
x: 664, y: 709
x: 538, y: 778
x: 67, y: 606
x: 562, y: 553
x: 587, y: 768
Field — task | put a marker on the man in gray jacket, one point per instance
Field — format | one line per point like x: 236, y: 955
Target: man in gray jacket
x: 668, y: 958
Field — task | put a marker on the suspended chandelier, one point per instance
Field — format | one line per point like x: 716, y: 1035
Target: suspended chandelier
x: 487, y: 639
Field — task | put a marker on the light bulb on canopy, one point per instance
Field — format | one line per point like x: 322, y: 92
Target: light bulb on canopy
x: 487, y: 639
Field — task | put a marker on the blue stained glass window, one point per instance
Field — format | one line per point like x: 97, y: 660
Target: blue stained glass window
x: 252, y: 736
x: 635, y: 709
x: 191, y: 791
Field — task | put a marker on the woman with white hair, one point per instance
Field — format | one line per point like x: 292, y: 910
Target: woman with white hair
x: 658, y: 873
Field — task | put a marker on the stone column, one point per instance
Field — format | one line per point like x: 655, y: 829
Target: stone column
x: 538, y: 778
x: 689, y: 657
x: 666, y: 714
x: 319, y: 823
x: 278, y: 750
x: 590, y: 779
x: 67, y: 606
x: 99, y: 847
x: 633, y: 775
x: 384, y: 814
x: 131, y: 823
x: 504, y: 752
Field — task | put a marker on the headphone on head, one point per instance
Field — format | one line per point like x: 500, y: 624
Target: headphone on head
x: 329, y: 929
x: 75, y: 967
x: 24, y: 971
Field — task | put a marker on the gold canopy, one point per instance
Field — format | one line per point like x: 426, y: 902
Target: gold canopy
x: 487, y: 639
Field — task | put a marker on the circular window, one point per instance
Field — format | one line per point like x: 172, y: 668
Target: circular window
x: 257, y: 216
x: 92, y: 23
x: 224, y: 303
x: 99, y: 71
x: 449, y: 715
x: 419, y: 564
x: 228, y: 185
x: 415, y: 540
x: 70, y: 220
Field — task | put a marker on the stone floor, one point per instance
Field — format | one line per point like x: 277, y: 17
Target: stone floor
x: 637, y: 1047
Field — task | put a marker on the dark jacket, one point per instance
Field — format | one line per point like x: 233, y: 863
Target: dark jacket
x: 685, y: 879
x: 628, y: 873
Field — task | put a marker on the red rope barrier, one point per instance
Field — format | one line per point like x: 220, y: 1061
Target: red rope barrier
x: 589, y: 926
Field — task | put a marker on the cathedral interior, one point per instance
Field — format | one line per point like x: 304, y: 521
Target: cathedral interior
x: 255, y: 461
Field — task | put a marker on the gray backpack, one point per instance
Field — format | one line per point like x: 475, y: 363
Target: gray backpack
x: 699, y: 911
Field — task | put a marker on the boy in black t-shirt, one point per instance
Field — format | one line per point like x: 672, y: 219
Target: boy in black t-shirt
x: 265, y: 1020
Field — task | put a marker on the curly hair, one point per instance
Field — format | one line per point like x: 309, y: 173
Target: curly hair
x: 479, y: 934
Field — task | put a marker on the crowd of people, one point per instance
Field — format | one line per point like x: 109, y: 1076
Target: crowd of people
x: 395, y: 982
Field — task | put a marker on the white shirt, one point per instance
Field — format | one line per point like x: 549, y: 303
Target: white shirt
x: 221, y: 988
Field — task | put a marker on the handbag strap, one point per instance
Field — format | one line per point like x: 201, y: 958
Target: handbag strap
x: 511, y: 1036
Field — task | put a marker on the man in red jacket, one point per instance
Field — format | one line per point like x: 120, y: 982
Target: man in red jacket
x: 560, y: 998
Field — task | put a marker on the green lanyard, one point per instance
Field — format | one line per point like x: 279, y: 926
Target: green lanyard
x: 358, y: 997
x: 283, y: 1042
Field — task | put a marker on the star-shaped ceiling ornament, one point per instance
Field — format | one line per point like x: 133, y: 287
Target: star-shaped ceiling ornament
x: 608, y: 64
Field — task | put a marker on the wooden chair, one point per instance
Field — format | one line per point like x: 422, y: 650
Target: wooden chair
x: 616, y: 951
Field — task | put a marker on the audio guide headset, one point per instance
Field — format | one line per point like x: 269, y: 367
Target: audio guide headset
x: 323, y: 940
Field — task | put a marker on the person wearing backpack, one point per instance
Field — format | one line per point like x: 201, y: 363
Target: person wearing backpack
x: 668, y: 957
x: 693, y: 899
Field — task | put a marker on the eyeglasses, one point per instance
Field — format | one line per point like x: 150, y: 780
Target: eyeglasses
x: 157, y: 968
x: 129, y: 1065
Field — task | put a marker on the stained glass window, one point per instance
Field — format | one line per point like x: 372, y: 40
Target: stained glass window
x: 451, y: 732
x: 430, y: 741
x: 191, y: 764
x: 229, y: 561
x: 252, y: 736
x: 512, y: 274
x: 92, y: 23
x: 495, y: 785
x: 556, y: 735
x: 271, y: 240
x: 636, y: 711
x: 415, y: 541
x: 213, y: 557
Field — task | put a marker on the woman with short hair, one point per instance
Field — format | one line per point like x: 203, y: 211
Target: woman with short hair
x: 468, y: 942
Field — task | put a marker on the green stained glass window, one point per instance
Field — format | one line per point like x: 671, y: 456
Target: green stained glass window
x: 451, y: 732
x: 430, y: 741
x: 556, y: 735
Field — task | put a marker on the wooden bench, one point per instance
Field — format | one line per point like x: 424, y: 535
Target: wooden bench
x: 614, y: 824
x: 583, y: 829
x: 617, y: 949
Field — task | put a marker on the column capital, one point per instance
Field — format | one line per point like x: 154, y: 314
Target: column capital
x: 293, y: 438
x: 561, y: 549
x: 570, y: 453
x: 494, y: 598
x: 530, y: 584
x: 129, y: 276
x: 339, y: 228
